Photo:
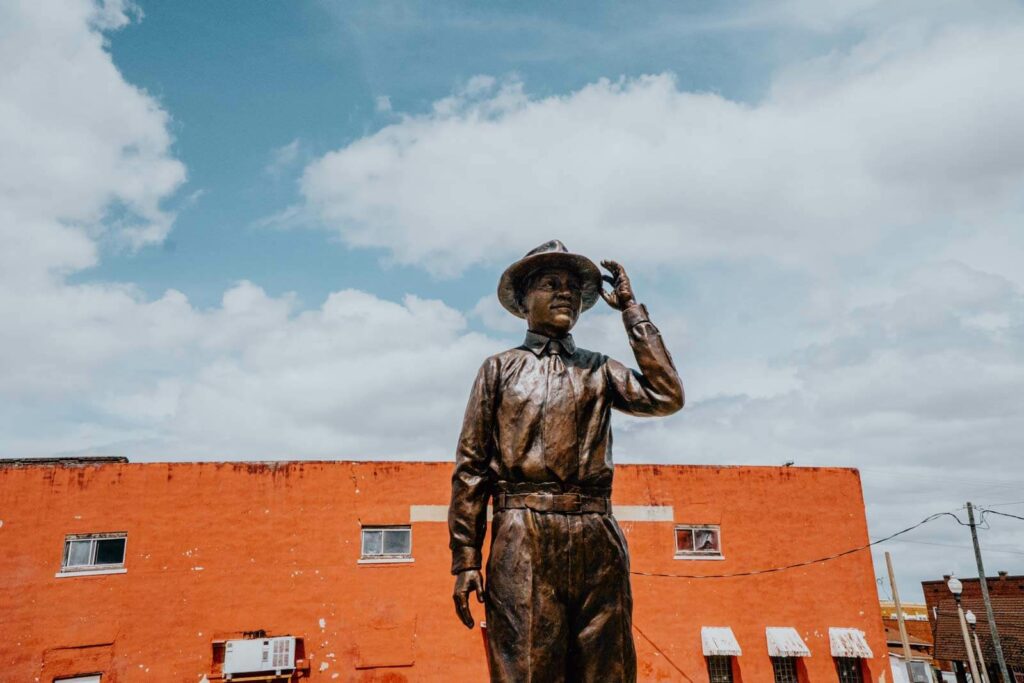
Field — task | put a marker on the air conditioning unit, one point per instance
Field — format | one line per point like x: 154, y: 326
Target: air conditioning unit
x: 259, y: 655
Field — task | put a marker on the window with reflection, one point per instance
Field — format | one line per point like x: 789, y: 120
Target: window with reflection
x: 89, y: 552
x: 698, y: 541
x: 387, y: 542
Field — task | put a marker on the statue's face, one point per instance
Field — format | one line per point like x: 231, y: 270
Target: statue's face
x: 553, y: 301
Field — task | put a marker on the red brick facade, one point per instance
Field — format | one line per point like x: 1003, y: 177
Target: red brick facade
x: 214, y: 550
x: 1007, y: 594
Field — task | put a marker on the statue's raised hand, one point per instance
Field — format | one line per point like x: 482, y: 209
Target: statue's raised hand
x: 467, y: 582
x: 621, y: 297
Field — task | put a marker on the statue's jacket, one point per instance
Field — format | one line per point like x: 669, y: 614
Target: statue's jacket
x: 537, y: 441
x: 507, y: 439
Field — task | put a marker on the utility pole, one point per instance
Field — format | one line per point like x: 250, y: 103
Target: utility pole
x: 1003, y: 671
x: 899, y: 617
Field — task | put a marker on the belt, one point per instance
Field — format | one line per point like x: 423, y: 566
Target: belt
x: 565, y: 503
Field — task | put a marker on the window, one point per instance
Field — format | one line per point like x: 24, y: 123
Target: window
x: 92, y: 678
x: 849, y: 670
x: 920, y: 672
x: 86, y: 552
x: 785, y: 669
x: 698, y: 541
x: 720, y: 669
x: 387, y: 543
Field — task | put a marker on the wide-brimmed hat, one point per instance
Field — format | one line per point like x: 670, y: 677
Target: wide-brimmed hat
x: 551, y: 254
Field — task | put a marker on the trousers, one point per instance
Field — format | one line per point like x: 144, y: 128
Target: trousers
x: 558, y: 601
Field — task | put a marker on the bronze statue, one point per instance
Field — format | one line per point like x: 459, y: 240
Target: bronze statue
x: 537, y: 441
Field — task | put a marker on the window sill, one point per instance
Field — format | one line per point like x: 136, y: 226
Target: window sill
x: 385, y: 560
x: 91, y: 572
x: 699, y: 557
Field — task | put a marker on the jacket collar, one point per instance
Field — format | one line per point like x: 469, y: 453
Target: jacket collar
x: 538, y: 342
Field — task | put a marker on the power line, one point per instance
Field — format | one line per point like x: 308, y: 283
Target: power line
x: 985, y: 511
x: 988, y: 549
x: 796, y: 565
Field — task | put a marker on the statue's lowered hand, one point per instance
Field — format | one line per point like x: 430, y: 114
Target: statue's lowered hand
x: 467, y: 582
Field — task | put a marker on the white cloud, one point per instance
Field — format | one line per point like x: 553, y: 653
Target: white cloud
x: 906, y: 386
x: 358, y: 377
x: 845, y: 152
x: 70, y: 154
x: 102, y: 367
x: 888, y: 173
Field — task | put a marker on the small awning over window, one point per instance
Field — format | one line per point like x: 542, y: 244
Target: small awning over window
x: 849, y: 642
x: 719, y: 641
x: 784, y: 641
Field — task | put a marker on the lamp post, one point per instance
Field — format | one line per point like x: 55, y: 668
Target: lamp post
x: 972, y: 621
x: 956, y: 588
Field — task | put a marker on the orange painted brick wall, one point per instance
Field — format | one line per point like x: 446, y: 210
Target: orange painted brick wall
x: 215, y: 549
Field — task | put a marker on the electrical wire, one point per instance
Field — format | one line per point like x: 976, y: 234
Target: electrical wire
x: 988, y: 549
x: 796, y: 565
x: 985, y: 511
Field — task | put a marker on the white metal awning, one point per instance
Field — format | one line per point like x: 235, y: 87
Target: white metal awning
x: 719, y: 641
x: 784, y: 641
x: 849, y: 642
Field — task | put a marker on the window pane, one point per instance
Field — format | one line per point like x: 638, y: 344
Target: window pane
x: 110, y: 551
x: 397, y: 541
x: 78, y: 553
x: 684, y: 540
x: 371, y: 542
x: 849, y: 670
x: 720, y: 669
x: 706, y: 540
x: 920, y: 672
x: 784, y: 669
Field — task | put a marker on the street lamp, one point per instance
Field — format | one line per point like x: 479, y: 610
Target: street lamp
x: 956, y: 588
x: 972, y: 621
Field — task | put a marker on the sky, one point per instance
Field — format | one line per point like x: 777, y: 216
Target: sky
x: 274, y: 230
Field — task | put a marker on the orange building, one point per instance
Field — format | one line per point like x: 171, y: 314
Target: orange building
x: 338, y: 571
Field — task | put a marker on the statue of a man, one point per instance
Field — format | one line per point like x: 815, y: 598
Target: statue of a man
x: 537, y: 441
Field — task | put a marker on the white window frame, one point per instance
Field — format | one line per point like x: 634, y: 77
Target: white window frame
x: 92, y: 568
x: 682, y: 554
x: 381, y: 557
x: 83, y: 678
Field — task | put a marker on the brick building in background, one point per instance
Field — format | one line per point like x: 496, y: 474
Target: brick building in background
x: 338, y: 571
x: 1007, y: 594
x: 919, y: 635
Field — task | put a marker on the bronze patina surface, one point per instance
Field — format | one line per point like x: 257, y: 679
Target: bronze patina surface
x: 536, y: 442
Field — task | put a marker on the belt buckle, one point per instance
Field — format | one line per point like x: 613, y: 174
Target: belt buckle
x: 569, y: 503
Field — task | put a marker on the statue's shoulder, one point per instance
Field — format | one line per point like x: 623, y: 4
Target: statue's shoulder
x: 509, y: 354
x: 504, y: 358
x: 589, y: 358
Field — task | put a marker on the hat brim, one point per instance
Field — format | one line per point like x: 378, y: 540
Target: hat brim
x: 590, y: 277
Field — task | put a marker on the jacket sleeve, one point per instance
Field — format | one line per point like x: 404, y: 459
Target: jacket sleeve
x: 471, y: 481
x: 656, y: 389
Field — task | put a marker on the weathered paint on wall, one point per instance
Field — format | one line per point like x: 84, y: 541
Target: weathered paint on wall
x: 215, y: 549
